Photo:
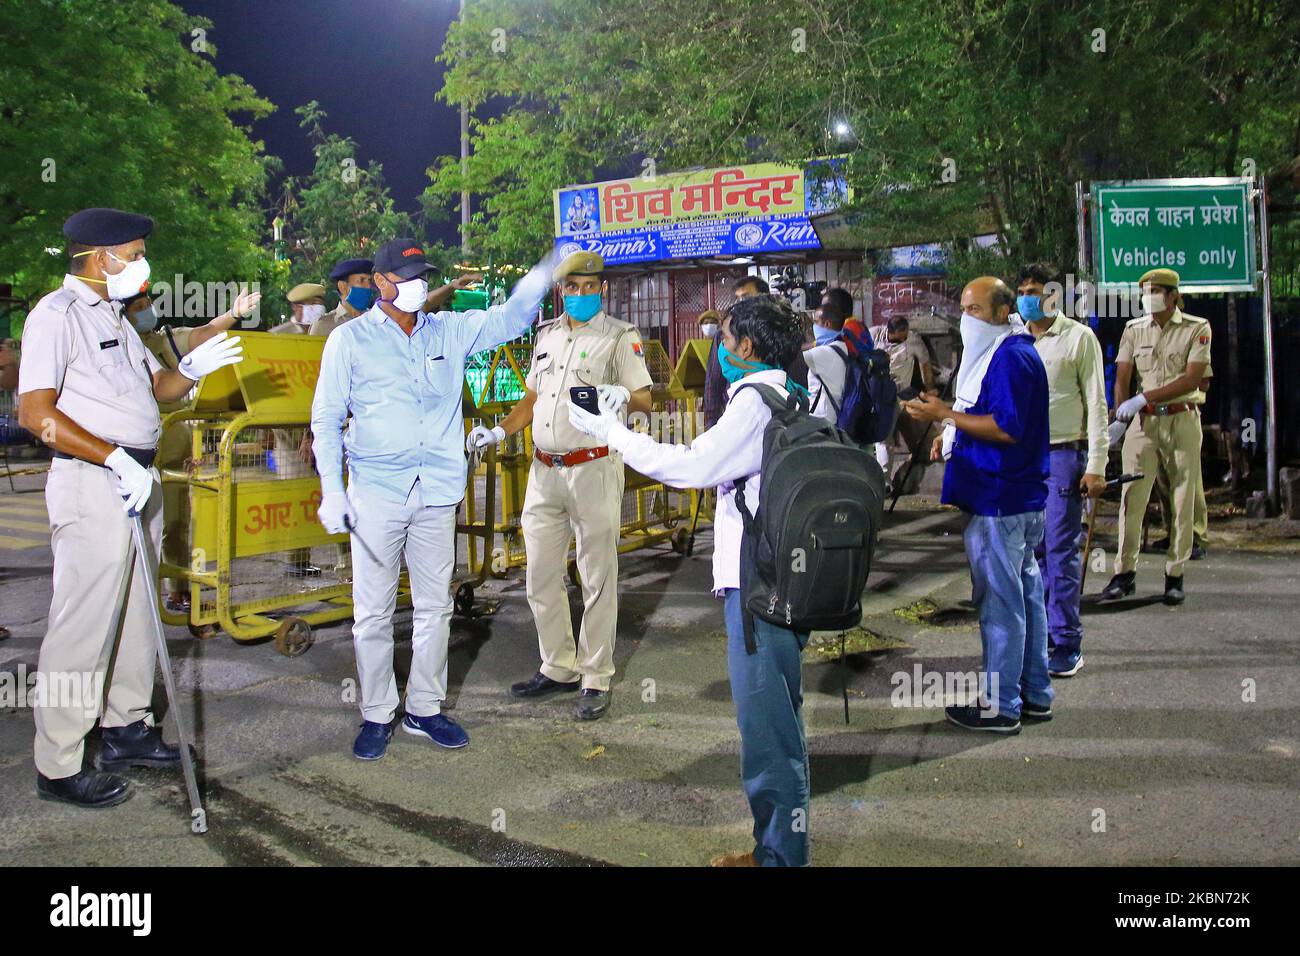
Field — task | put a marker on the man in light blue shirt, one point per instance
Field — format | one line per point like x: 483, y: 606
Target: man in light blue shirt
x: 397, y: 371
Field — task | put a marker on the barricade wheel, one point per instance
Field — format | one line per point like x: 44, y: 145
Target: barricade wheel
x: 293, y: 637
x: 204, y: 632
x: 463, y: 602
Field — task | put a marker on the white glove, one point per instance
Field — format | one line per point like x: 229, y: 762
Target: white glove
x: 217, y: 352
x: 597, y: 426
x: 482, y: 436
x: 1116, y: 432
x: 613, y: 398
x: 1128, y: 409
x: 134, y: 481
x: 336, y: 513
x: 534, y: 286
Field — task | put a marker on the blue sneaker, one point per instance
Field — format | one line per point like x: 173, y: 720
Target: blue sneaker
x: 373, y: 740
x: 1063, y: 663
x: 442, y: 730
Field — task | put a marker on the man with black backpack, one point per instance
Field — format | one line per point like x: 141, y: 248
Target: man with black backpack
x: 799, y: 505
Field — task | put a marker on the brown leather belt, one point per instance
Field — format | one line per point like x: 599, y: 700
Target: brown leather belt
x: 571, y: 458
x: 1078, y: 444
x: 1171, y: 409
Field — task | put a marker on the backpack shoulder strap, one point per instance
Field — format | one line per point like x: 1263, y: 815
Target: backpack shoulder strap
x: 770, y: 396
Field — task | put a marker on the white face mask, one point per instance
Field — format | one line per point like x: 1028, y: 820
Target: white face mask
x: 1153, y: 302
x: 130, y: 281
x: 410, y: 295
x: 310, y: 313
x: 709, y: 329
x: 977, y: 336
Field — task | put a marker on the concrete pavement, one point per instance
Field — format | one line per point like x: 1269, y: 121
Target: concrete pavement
x: 1153, y: 758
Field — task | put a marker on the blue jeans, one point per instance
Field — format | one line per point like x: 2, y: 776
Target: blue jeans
x: 1059, y: 558
x: 766, y: 687
x: 1008, y: 588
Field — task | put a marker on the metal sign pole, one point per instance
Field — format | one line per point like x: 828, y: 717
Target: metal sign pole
x: 1270, y: 391
x: 1081, y: 229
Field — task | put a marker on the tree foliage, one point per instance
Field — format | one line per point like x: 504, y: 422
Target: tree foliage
x: 109, y: 103
x: 1013, y: 100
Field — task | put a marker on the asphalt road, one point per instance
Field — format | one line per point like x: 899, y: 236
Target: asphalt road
x: 1153, y: 758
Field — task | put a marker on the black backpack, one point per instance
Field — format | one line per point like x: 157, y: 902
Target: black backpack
x: 806, y: 552
x: 868, y: 409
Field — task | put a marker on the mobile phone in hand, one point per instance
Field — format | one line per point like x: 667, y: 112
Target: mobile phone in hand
x: 586, y: 398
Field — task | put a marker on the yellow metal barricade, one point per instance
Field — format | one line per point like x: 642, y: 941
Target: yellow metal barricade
x: 256, y: 549
x: 652, y: 512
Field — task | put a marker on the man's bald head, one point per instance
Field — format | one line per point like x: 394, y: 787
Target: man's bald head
x: 989, y: 299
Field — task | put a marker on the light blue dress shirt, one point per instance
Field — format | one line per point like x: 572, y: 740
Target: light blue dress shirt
x: 404, y: 395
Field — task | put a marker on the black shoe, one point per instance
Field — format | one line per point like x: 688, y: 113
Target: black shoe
x: 1174, y: 590
x: 1121, y: 585
x: 302, y: 570
x: 592, y: 704
x: 539, y: 685
x: 1198, y: 551
x: 88, y: 789
x: 135, y: 745
x: 972, y: 717
x: 1157, y: 547
x: 1035, y: 712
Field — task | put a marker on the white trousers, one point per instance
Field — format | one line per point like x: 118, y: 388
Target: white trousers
x: 427, y: 534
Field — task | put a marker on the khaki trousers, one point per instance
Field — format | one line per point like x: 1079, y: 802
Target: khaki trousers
x: 1153, y: 442
x: 586, y: 502
x: 89, y: 630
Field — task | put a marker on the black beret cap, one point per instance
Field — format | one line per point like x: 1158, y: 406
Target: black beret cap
x: 403, y: 256
x: 106, y: 227
x: 350, y: 267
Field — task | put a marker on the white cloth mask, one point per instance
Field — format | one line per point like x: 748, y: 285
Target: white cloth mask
x: 310, y: 313
x: 411, y: 295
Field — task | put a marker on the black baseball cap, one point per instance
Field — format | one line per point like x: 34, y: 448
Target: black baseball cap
x: 404, y: 257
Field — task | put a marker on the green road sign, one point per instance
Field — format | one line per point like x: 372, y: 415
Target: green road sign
x: 1203, y: 229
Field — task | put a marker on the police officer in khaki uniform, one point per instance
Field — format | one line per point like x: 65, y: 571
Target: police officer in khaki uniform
x: 308, y: 302
x: 169, y: 345
x: 352, y: 279
x: 91, y: 390
x: 575, y: 487
x: 1160, y: 424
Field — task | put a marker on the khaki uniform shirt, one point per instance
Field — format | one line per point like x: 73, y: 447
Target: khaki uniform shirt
x: 1160, y: 356
x: 82, y: 347
x: 602, y: 351
x: 903, y: 356
x: 1076, y: 388
x: 330, y: 321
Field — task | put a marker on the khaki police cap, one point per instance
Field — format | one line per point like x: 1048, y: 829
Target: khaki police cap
x: 305, y: 291
x: 1165, y: 277
x: 579, y: 264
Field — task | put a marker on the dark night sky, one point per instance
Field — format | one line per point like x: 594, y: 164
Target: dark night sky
x: 369, y: 63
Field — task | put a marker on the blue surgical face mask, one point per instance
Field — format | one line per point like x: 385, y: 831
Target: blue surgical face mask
x: 145, y: 320
x: 360, y: 297
x: 823, y: 335
x: 582, y: 308
x: 1030, y: 307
